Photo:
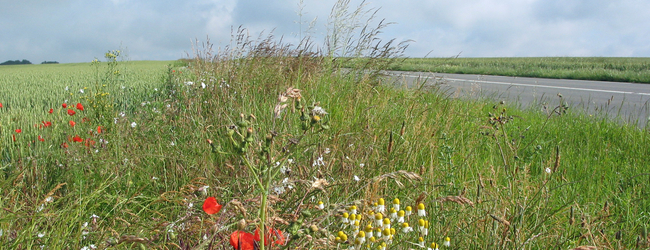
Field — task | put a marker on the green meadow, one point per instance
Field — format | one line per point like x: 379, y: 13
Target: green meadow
x: 621, y: 69
x: 271, y: 137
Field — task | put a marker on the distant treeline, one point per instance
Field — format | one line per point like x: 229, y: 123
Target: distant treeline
x: 16, y: 62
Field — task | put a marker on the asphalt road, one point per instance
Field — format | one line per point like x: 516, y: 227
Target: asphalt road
x: 620, y: 101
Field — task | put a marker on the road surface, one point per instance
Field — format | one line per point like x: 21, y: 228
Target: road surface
x: 623, y: 102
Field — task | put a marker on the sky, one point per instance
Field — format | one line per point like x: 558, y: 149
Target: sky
x: 70, y: 31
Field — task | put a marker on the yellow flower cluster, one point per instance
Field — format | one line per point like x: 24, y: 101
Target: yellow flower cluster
x: 377, y: 226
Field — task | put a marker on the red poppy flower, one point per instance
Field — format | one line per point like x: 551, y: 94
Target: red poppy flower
x: 274, y: 236
x: 40, y: 138
x: 19, y: 130
x: 85, y: 119
x: 80, y: 107
x: 71, y: 112
x: 0, y: 105
x: 64, y: 105
x: 51, y: 111
x: 210, y: 206
x: 47, y: 124
x: 14, y: 137
x: 99, y: 129
x: 89, y: 143
x: 76, y: 138
x: 72, y: 123
x: 241, y: 240
x: 64, y: 145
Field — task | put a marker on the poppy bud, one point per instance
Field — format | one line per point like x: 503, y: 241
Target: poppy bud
x: 269, y: 139
x: 298, y: 103
x: 249, y: 135
x: 241, y: 224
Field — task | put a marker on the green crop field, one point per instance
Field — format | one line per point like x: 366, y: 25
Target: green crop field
x: 130, y: 162
x: 627, y: 69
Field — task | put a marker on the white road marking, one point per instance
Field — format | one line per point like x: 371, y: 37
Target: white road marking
x: 537, y: 86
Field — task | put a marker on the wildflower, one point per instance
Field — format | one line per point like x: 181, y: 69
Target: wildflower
x: 40, y: 138
x: 133, y: 124
x: 242, y: 240
x: 447, y: 242
x: 408, y: 211
x: 40, y: 235
x: 548, y: 170
x: 434, y: 246
x: 396, y: 204
x: 0, y: 107
x: 379, y: 220
x: 318, y: 162
x: 19, y: 130
x: 51, y: 111
x: 64, y: 145
x: 393, y: 214
x: 99, y: 129
x: 341, y: 237
x: 425, y: 231
x: 361, y: 238
x: 352, y: 218
x: 274, y: 236
x: 85, y: 119
x: 71, y: 112
x: 89, y: 143
x: 64, y: 105
x: 72, y: 123
x: 400, y: 216
x: 385, y: 234
x: 318, y: 111
x: 368, y: 231
x: 210, y: 206
x: 47, y: 123
x: 421, y: 211
x: 386, y: 223
x: 81, y: 91
x: 321, y: 206
x: 380, y: 205
x: 80, y: 107
x: 421, y: 242
x: 344, y: 218
x: 356, y: 178
x: 406, y: 228
x: 76, y: 138
x: 421, y: 224
x: 353, y: 209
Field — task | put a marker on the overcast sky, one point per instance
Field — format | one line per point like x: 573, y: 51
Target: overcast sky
x: 81, y: 30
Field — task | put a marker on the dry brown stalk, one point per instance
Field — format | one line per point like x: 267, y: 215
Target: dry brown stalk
x: 500, y: 220
x: 457, y: 199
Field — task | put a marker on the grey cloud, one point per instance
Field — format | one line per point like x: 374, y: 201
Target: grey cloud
x: 78, y: 31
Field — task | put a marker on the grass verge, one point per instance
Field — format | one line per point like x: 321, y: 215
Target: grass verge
x: 628, y: 69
